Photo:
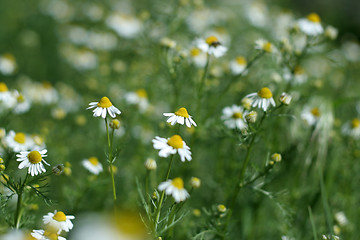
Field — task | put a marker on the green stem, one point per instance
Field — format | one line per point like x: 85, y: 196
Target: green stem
x: 18, y: 212
x: 202, y: 83
x: 110, y: 159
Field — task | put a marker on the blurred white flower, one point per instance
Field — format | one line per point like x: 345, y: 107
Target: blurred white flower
x: 126, y: 26
x: 311, y: 25
x: 352, y: 128
x: 93, y: 165
x: 238, y: 66
x: 212, y: 46
x: 18, y: 141
x: 310, y: 115
x: 7, y: 64
x: 233, y: 117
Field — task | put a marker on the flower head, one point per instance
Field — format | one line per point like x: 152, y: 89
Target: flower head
x: 233, y: 117
x: 311, y: 25
x: 238, y: 65
x: 150, y: 164
x: 172, y: 145
x: 93, y: 165
x: 103, y: 106
x: 181, y: 116
x: 264, y: 45
x: 59, y: 221
x: 311, y: 115
x: 174, y: 187
x: 19, y: 141
x: 212, y: 46
x: 46, y: 235
x: 195, y: 182
x: 33, y: 160
x: 262, y: 99
x: 352, y: 128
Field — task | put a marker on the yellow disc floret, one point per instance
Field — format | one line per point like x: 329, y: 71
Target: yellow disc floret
x: 20, y: 138
x: 298, y: 70
x: 195, y: 52
x: 355, y: 123
x: 51, y: 235
x: 241, y: 60
x: 175, y: 142
x: 34, y: 157
x: 59, y: 216
x: 237, y: 115
x: 104, y: 103
x: 267, y: 47
x: 94, y: 161
x: 182, y: 112
x: 178, y: 183
x: 313, y: 17
x: 212, y: 41
x: 265, y: 93
x: 141, y: 93
x: 315, y: 112
x: 3, y: 87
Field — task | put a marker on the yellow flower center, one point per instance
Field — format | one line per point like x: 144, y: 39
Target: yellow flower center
x: 212, y: 41
x: 237, y: 115
x: 51, y: 235
x: 355, y: 123
x: 241, y: 60
x: 3, y: 87
x: 104, y: 103
x: 265, y: 93
x: 195, y: 52
x: 20, y: 98
x: 315, y: 112
x: 267, y: 47
x: 46, y: 85
x: 313, y: 17
x: 178, y: 183
x: 9, y: 57
x: 20, y: 138
x: 175, y: 142
x: 298, y: 70
x: 94, y: 161
x: 141, y: 93
x: 59, y: 216
x: 34, y: 157
x: 182, y: 112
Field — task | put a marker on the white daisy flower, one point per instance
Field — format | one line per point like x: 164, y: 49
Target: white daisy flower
x: 262, y: 99
x: 32, y: 160
x: 172, y: 145
x: 311, y: 25
x: 46, y: 235
x: 198, y: 57
x: 352, y: 128
x: 103, y: 106
x: 7, y: 64
x: 233, y: 117
x: 264, y: 45
x: 124, y: 25
x: 93, y: 165
x: 22, y: 103
x: 4, y: 92
x: 238, y: 66
x: 139, y: 98
x: 310, y: 115
x: 181, y: 116
x: 212, y: 46
x: 174, y: 187
x: 59, y: 221
x: 18, y: 141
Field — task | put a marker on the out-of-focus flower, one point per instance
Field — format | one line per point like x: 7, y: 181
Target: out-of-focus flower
x: 7, y: 64
x: 198, y: 57
x: 126, y: 26
x: 59, y: 221
x: 18, y: 141
x: 32, y: 160
x: 181, y: 116
x: 331, y: 32
x: 46, y: 235
x: 93, y: 165
x: 341, y: 218
x: 221, y: 208
x: 211, y: 46
x: 352, y: 128
x: 310, y: 115
x: 311, y: 25
x: 174, y: 187
x: 251, y: 117
x: 276, y: 157
x: 172, y: 145
x: 285, y: 98
x: 102, y: 107
x: 139, y: 97
x: 233, y: 117
x: 264, y: 45
x: 262, y: 99
x: 238, y: 65
x: 195, y: 182
x: 150, y: 164
x: 167, y: 42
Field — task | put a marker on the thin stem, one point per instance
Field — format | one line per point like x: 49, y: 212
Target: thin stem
x: 110, y: 158
x: 18, y: 211
x: 202, y: 83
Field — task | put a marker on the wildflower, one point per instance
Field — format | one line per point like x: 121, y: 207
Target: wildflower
x: 285, y: 98
x: 46, y: 235
x: 246, y: 103
x: 93, y: 165
x: 196, y: 212
x: 352, y: 128
x: 262, y: 99
x: 310, y: 115
x: 341, y: 218
x: 331, y: 32
x: 276, y: 157
x: 221, y: 208
x: 114, y: 124
x: 103, y: 106
x: 238, y: 65
x: 22, y: 103
x: 2, y: 166
x: 198, y: 57
x: 311, y: 25
x: 172, y: 145
x: 67, y: 169
x: 7, y: 64
x: 126, y: 26
x: 233, y: 117
x: 195, y: 182
x: 150, y: 164
x: 4, y: 92
x: 58, y: 169
x: 59, y: 221
x: 18, y: 141
x: 180, y: 116
x: 167, y: 42
x: 299, y: 75
x: 139, y: 98
x: 211, y: 46
x: 251, y: 117
x: 174, y: 187
x: 33, y: 160
x: 264, y: 45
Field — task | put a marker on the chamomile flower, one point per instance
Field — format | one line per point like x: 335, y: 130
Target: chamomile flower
x: 262, y: 99
x: 264, y: 45
x: 18, y: 141
x: 233, y: 117
x: 139, y: 98
x: 4, y: 92
x: 352, y: 128
x: 211, y: 46
x: 22, y: 103
x: 127, y: 26
x: 311, y: 25
x: 310, y: 115
x: 7, y: 64
x: 46, y: 235
x: 172, y: 145
x: 238, y: 65
x: 331, y: 32
x: 93, y: 165
x: 181, y: 116
x: 198, y: 57
x: 174, y: 187
x: 59, y: 221
x: 103, y: 106
x: 33, y: 160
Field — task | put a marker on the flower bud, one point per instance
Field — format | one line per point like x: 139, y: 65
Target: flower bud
x: 114, y: 124
x: 276, y: 157
x: 58, y: 169
x: 251, y: 117
x: 150, y: 164
x: 285, y: 98
x: 195, y: 182
x: 221, y: 208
